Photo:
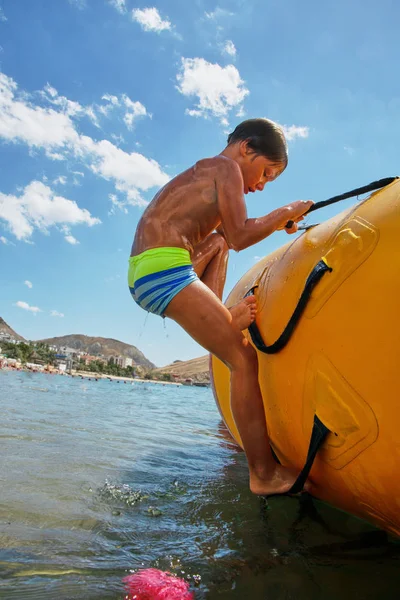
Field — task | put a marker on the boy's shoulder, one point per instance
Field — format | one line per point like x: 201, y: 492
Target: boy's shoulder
x: 221, y: 164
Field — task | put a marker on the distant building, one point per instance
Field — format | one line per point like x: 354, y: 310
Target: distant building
x: 64, y: 364
x: 121, y: 361
x: 87, y: 359
x: 6, y: 337
x: 65, y: 351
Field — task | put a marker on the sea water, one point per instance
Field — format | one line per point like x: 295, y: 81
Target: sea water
x: 99, y: 478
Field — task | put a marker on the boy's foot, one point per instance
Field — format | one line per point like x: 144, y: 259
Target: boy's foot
x: 244, y: 312
x: 280, y: 482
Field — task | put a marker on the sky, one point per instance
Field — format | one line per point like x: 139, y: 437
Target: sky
x: 104, y: 101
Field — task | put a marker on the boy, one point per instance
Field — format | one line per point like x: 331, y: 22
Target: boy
x: 178, y: 269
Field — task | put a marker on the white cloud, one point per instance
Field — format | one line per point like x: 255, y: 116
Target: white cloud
x: 34, y: 125
x: 76, y: 180
x: 53, y: 130
x: 3, y: 17
x: 119, y: 5
x: 116, y: 203
x: 219, y: 13
x: 229, y: 48
x: 25, y: 306
x: 293, y: 131
x: 150, y: 19
x: 131, y: 172
x: 38, y: 207
x: 68, y: 107
x: 218, y: 89
x: 55, y: 155
x: 134, y: 110
x: 110, y: 98
x: 4, y: 240
x: 71, y: 240
x: 92, y: 116
x: 119, y: 139
x: 28, y: 284
x: 55, y: 313
x: 68, y: 236
x: 62, y: 180
x: 111, y: 103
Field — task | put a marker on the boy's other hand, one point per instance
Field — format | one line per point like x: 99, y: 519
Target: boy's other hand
x: 294, y: 213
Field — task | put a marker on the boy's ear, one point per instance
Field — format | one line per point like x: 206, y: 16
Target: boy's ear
x: 244, y: 148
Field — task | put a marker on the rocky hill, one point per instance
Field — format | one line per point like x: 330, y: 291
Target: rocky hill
x: 6, y: 329
x: 196, y: 369
x: 98, y: 345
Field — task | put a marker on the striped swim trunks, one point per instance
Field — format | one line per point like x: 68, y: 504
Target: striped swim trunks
x: 156, y: 276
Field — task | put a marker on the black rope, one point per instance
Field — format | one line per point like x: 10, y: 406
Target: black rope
x: 316, y: 274
x: 371, y: 187
x: 318, y: 435
x: 375, y: 185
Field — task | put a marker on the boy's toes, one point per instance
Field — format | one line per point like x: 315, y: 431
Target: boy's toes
x: 249, y: 300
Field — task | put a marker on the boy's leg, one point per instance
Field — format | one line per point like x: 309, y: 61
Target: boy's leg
x: 198, y: 310
x: 210, y: 261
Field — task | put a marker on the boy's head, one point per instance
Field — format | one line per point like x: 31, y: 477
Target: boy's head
x: 262, y: 151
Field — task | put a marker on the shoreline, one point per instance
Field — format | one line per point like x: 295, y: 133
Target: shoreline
x: 90, y: 376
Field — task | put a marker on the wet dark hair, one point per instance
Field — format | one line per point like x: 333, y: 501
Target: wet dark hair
x: 264, y: 137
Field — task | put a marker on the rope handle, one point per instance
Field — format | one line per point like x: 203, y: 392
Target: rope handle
x: 375, y: 185
x: 314, y: 277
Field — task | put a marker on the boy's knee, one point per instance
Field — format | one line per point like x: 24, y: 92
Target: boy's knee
x: 245, y: 357
x: 220, y: 242
x: 250, y: 353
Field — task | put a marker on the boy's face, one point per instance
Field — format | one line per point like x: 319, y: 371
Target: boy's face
x: 257, y: 171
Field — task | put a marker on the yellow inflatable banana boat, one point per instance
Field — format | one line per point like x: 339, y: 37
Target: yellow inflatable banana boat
x: 328, y: 339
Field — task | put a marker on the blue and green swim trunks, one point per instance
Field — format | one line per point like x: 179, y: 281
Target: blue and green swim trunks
x: 156, y: 276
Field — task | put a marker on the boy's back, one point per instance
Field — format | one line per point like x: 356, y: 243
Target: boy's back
x: 185, y: 210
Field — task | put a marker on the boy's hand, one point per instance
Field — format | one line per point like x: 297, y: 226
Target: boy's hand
x: 293, y: 213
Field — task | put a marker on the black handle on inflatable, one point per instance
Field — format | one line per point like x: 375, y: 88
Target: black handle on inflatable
x: 375, y: 185
x: 318, y: 271
x: 318, y: 435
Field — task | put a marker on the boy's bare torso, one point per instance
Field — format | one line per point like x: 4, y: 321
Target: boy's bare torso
x: 184, y: 211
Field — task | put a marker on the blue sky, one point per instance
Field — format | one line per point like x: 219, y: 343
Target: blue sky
x: 103, y: 101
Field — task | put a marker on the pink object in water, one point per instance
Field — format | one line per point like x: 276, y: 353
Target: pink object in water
x: 152, y: 584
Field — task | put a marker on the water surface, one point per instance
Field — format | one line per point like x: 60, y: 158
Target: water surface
x: 100, y: 478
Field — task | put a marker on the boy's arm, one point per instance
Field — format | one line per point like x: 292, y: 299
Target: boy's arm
x: 239, y: 231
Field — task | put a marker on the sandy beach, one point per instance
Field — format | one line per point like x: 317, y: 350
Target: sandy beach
x: 88, y: 375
